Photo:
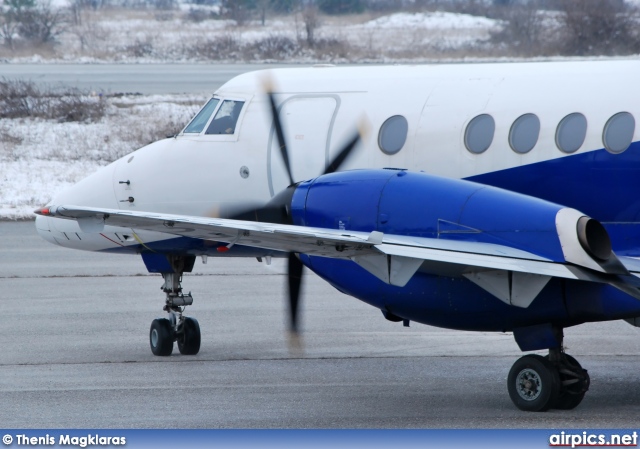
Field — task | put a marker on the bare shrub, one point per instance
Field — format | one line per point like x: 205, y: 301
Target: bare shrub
x: 472, y: 7
x: 92, y: 37
x: 20, y: 98
x: 77, y: 106
x: 91, y: 34
x: 598, y: 27
x: 224, y: 47
x: 272, y: 47
x: 237, y: 10
x: 393, y: 5
x: 341, y: 6
x: 195, y: 15
x: 166, y: 4
x: 522, y: 30
x: 37, y: 23
x: 140, y: 48
x: 263, y: 7
x: 311, y: 19
x: 198, y: 15
x: 41, y: 23
x: 332, y: 48
x: 8, y: 28
x: 164, y: 16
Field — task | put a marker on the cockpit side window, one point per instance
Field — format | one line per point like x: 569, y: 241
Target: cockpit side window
x: 200, y: 120
x: 226, y: 118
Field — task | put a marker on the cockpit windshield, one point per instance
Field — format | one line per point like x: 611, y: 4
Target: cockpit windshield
x: 198, y: 123
x: 226, y: 118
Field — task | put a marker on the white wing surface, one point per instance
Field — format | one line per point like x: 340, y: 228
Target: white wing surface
x: 512, y: 275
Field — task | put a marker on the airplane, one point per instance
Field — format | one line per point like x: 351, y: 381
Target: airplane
x: 484, y: 197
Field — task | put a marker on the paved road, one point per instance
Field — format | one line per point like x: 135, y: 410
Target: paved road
x: 75, y: 354
x: 146, y: 79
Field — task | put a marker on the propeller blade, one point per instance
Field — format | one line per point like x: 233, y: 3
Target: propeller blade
x: 346, y: 151
x: 275, y: 211
x: 280, y: 133
x: 342, y: 155
x: 295, y: 281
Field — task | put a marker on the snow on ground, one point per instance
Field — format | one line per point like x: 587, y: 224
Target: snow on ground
x: 128, y: 35
x: 411, y: 35
x: 39, y: 158
x: 28, y: 184
x: 434, y: 20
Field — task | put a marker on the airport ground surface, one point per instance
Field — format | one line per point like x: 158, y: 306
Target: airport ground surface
x: 147, y: 79
x: 75, y: 354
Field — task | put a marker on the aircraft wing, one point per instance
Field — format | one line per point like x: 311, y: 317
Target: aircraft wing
x: 512, y: 275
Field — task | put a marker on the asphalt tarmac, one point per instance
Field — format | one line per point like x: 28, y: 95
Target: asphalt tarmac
x: 75, y: 354
x: 146, y: 79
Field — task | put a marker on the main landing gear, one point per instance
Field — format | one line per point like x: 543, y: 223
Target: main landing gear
x: 537, y: 383
x: 177, y: 327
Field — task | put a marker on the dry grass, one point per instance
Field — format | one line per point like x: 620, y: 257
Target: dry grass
x: 150, y: 35
x: 118, y: 34
x: 21, y: 98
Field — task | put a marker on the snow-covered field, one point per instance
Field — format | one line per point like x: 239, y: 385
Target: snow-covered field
x: 152, y: 36
x: 41, y: 157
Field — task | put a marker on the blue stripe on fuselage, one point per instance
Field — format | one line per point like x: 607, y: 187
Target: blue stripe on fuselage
x: 604, y: 186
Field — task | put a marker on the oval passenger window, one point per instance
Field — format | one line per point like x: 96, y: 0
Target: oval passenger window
x: 524, y: 133
x: 571, y: 132
x: 479, y: 133
x: 393, y: 134
x: 618, y: 132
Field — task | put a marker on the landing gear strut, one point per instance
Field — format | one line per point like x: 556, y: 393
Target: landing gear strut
x: 537, y: 383
x: 177, y: 327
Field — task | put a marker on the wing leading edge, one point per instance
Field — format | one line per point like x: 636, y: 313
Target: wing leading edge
x: 514, y: 276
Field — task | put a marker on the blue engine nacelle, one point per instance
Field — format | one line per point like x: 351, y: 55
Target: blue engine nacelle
x: 398, y: 202
x: 417, y: 204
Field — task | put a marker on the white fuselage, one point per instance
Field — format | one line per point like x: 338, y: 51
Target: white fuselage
x: 212, y: 175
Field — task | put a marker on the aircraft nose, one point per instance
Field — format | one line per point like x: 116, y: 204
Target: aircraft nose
x: 44, y: 229
x: 95, y: 190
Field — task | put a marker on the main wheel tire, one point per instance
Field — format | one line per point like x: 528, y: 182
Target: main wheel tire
x: 189, y: 342
x: 161, y: 337
x: 572, y: 394
x: 533, y: 383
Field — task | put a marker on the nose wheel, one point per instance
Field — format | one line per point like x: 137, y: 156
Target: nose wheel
x: 189, y: 338
x: 177, y: 327
x: 162, y: 335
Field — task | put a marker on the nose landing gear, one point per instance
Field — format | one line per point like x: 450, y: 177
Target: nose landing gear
x: 185, y: 330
